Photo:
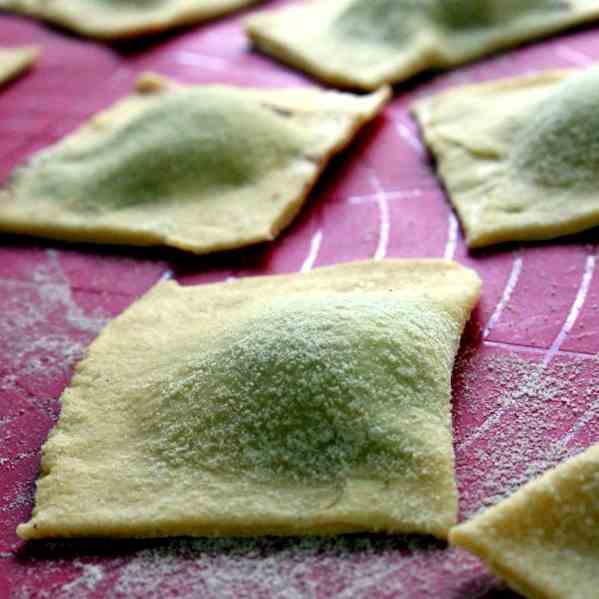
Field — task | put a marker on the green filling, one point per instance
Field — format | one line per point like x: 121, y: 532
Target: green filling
x: 390, y: 21
x: 558, y: 145
x: 472, y: 14
x: 127, y: 4
x: 182, y: 144
x: 379, y: 21
x: 312, y: 389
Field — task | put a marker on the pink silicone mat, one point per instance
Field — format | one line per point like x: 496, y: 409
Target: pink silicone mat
x: 525, y: 386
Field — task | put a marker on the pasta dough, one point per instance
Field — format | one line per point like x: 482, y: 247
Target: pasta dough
x: 14, y: 61
x: 303, y: 404
x: 200, y: 168
x: 519, y: 157
x: 365, y: 43
x: 112, y: 19
x: 544, y: 540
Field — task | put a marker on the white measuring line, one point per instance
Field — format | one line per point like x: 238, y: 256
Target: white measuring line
x: 581, y: 296
x: 591, y: 413
x: 219, y: 65
x: 483, y: 428
x: 518, y: 347
x: 390, y: 195
x: 511, y: 285
x: 408, y: 135
x: 315, y: 244
x: 560, y: 446
x: 556, y: 346
x: 384, y: 217
x: 167, y: 275
x: 452, y: 237
x: 213, y: 63
x: 574, y: 56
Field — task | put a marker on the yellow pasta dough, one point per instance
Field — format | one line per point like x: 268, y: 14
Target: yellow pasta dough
x: 312, y: 403
x: 200, y: 168
x: 544, y: 540
x: 519, y: 157
x: 112, y: 19
x: 13, y: 61
x: 366, y: 43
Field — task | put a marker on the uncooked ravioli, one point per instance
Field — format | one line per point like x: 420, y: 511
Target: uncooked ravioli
x: 112, y: 19
x: 200, y: 168
x: 302, y: 404
x: 366, y: 43
x: 519, y: 157
x: 13, y: 61
x: 544, y: 540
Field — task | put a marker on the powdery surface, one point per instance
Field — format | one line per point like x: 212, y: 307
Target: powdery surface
x: 525, y: 385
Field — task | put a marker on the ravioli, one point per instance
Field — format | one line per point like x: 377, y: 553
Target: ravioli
x: 367, y: 43
x: 311, y: 403
x: 13, y: 61
x: 199, y: 168
x: 519, y: 157
x: 113, y: 19
x: 544, y: 540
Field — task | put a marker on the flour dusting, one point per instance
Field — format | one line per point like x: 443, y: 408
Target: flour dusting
x: 45, y: 330
x: 43, y: 333
x: 531, y: 408
x: 346, y: 567
x: 538, y: 417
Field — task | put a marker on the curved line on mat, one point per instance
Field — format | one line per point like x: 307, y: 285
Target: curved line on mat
x: 591, y: 413
x: 452, y: 237
x: 310, y: 260
x: 581, y: 296
x: 369, y: 584
x: 51, y: 279
x: 384, y: 217
x: 531, y: 349
x: 195, y: 59
x: 406, y: 194
x: 408, y: 136
x: 217, y: 64
x: 573, y: 56
x: 560, y: 446
x: 569, y: 323
x: 483, y: 428
x: 512, y: 282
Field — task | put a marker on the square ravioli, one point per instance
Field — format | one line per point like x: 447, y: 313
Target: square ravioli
x: 14, y: 61
x: 311, y: 403
x: 367, y: 43
x: 519, y: 157
x: 200, y: 168
x: 544, y: 540
x: 113, y: 19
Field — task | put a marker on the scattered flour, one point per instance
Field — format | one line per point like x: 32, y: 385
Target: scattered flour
x: 46, y: 332
x: 350, y: 567
x: 539, y: 416
x: 347, y: 567
x: 81, y: 586
x: 43, y: 333
x: 91, y: 575
x: 532, y: 410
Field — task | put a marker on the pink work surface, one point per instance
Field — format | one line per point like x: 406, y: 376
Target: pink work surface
x: 525, y: 385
